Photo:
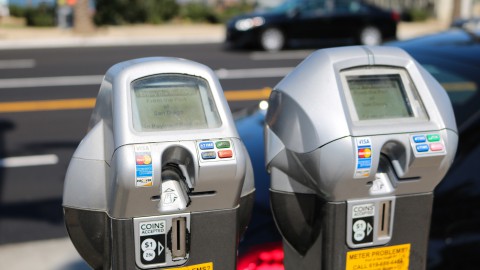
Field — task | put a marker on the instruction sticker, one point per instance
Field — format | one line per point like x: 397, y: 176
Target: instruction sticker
x: 363, y: 157
x: 143, y: 166
x: 393, y: 257
x: 203, y: 266
x: 362, y: 223
x: 152, y: 242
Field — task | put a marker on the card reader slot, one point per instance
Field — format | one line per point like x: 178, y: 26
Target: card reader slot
x: 203, y: 193
x: 193, y: 194
x: 387, y: 167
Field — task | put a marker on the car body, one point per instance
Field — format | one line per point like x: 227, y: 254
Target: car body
x: 453, y: 58
x: 471, y: 24
x: 311, y: 21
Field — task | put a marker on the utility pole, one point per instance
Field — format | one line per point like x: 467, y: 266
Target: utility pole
x: 83, y: 21
x: 456, y: 9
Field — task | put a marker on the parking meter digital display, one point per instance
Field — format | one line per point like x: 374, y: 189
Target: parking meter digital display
x: 172, y: 102
x: 379, y: 96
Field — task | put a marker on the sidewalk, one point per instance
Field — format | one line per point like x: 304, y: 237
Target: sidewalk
x: 28, y: 38
x: 54, y: 254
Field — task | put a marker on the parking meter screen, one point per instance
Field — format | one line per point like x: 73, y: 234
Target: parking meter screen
x: 173, y: 102
x: 379, y: 96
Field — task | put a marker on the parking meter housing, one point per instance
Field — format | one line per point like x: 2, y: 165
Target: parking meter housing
x: 356, y: 130
x: 162, y: 178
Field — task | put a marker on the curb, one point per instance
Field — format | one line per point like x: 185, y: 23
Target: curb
x: 137, y: 35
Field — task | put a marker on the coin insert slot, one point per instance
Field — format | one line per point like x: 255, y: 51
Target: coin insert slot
x: 179, y: 241
x: 384, y: 219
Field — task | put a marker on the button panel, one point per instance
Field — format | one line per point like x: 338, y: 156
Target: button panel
x: 215, y: 150
x: 424, y: 144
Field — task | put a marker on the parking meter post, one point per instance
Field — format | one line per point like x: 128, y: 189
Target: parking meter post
x: 162, y: 179
x: 357, y: 138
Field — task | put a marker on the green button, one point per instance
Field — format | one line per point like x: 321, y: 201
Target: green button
x: 222, y: 144
x: 433, y: 137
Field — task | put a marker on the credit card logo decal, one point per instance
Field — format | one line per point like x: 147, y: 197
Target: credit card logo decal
x: 143, y: 166
x: 363, y: 157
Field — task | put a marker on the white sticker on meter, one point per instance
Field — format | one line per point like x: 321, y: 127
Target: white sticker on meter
x: 362, y: 223
x: 363, y: 157
x: 152, y: 241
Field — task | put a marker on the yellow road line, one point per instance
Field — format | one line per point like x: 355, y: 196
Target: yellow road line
x: 242, y: 95
x: 460, y: 86
x: 89, y: 103
x: 47, y: 105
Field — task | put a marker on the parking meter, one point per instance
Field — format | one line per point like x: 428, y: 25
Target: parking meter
x: 357, y: 138
x: 161, y: 180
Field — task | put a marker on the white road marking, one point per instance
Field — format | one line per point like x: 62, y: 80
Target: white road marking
x: 223, y: 74
x: 17, y: 63
x: 51, y: 81
x: 28, y: 161
x: 283, y: 55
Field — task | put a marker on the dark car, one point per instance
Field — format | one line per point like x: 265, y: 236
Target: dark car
x: 311, y: 21
x: 453, y: 58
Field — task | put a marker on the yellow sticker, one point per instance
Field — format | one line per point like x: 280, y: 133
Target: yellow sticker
x: 203, y: 266
x: 384, y: 258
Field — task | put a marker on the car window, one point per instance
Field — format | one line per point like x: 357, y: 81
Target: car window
x: 313, y: 7
x: 347, y: 6
x: 285, y: 6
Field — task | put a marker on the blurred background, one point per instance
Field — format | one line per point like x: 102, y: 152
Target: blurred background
x: 53, y: 55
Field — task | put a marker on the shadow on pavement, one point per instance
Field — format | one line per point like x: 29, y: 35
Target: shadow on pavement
x: 49, y: 210
x: 77, y: 265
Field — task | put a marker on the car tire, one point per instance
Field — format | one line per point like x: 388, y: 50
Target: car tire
x: 272, y: 39
x: 370, y: 36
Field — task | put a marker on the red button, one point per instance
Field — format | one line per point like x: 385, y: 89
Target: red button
x: 436, y: 147
x: 225, y: 153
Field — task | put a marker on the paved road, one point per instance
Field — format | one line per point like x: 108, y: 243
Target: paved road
x: 46, y: 96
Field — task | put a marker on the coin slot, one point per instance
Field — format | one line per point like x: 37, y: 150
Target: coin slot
x: 384, y: 219
x: 179, y: 241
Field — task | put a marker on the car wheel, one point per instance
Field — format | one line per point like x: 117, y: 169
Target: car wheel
x: 370, y: 35
x: 272, y: 39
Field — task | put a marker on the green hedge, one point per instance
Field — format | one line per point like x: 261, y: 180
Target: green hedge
x: 196, y: 12
x: 418, y: 15
x: 43, y: 15
x: 234, y: 10
x: 116, y: 12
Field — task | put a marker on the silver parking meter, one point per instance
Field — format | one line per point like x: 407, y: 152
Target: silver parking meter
x: 161, y: 180
x: 357, y: 138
